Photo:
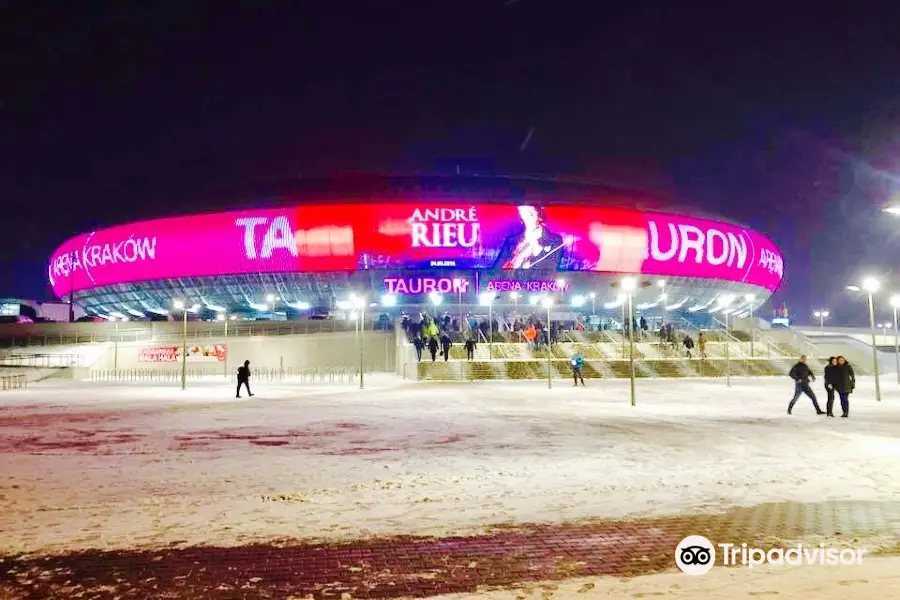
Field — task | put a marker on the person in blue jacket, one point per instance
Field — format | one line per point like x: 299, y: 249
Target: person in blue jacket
x: 577, y: 365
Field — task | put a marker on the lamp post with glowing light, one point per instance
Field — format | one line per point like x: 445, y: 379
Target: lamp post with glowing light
x: 593, y: 303
x: 359, y: 303
x: 724, y: 303
x: 514, y: 296
x: 561, y: 286
x: 180, y: 305
x: 272, y: 299
x: 629, y: 285
x: 548, y: 304
x: 870, y: 286
x: 487, y: 299
x: 821, y: 315
x: 751, y: 299
x: 222, y: 316
x: 116, y: 344
x: 895, y: 304
x: 663, y: 296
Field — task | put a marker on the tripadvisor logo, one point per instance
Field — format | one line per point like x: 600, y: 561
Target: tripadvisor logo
x: 696, y: 555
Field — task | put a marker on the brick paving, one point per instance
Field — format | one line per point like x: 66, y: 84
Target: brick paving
x: 420, y: 567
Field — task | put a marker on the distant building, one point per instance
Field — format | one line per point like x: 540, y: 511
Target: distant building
x: 310, y: 247
x: 17, y: 310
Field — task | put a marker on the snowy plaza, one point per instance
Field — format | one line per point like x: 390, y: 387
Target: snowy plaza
x: 112, y: 471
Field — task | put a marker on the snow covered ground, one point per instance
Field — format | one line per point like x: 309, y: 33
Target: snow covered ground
x: 130, y: 466
x: 876, y: 578
x: 107, y: 467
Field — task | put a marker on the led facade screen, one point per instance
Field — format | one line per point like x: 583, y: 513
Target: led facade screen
x: 349, y: 237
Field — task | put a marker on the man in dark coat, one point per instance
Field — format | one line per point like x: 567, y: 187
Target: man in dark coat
x: 846, y: 382
x: 470, y: 348
x: 433, y: 348
x: 419, y: 344
x: 802, y: 375
x: 831, y: 376
x: 243, y: 378
x: 446, y: 342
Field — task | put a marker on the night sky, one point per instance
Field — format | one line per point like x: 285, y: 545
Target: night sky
x: 786, y: 119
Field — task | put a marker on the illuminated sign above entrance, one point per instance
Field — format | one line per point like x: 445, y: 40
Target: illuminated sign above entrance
x: 529, y: 285
x: 414, y: 286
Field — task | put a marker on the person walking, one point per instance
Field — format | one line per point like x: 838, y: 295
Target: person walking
x: 243, y: 378
x: 577, y: 366
x: 846, y: 383
x: 831, y: 375
x: 802, y: 375
x: 701, y: 345
x: 419, y: 344
x: 446, y: 342
x: 470, y: 348
x: 433, y: 348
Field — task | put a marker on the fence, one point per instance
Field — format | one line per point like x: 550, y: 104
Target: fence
x: 13, y: 382
x: 41, y: 360
x: 263, y: 375
x: 52, y: 334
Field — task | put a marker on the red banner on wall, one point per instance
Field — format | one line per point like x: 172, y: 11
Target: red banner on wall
x: 170, y: 354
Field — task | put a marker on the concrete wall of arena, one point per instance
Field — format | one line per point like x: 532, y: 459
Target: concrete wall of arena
x: 305, y: 351
x: 855, y: 345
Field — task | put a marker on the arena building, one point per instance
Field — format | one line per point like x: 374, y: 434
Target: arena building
x: 306, y: 249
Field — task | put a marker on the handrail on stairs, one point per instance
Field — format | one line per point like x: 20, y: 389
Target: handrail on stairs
x: 725, y: 330
x: 689, y: 324
x: 731, y: 338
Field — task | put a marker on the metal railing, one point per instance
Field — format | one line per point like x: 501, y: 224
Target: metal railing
x: 560, y: 369
x: 650, y: 349
x: 38, y: 360
x: 64, y: 334
x: 259, y: 374
x: 13, y: 382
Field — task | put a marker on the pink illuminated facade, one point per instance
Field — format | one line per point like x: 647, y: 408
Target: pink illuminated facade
x: 311, y: 251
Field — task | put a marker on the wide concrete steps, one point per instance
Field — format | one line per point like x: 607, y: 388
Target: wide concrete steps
x: 461, y: 370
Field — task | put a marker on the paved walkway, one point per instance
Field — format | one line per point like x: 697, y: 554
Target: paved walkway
x: 395, y: 567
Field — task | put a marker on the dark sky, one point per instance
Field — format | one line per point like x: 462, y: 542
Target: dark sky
x: 782, y: 115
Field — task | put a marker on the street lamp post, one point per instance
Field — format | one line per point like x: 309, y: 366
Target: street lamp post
x: 629, y: 284
x: 751, y: 299
x: 222, y: 316
x: 487, y: 299
x: 362, y: 340
x: 724, y: 303
x: 593, y: 303
x: 663, y: 297
x: 272, y: 299
x: 180, y: 305
x: 116, y: 347
x: 821, y: 315
x: 870, y: 286
x: 548, y: 304
x: 359, y: 303
x: 895, y: 304
x: 561, y: 286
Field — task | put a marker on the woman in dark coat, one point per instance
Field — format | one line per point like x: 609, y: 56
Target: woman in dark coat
x: 846, y: 382
x: 831, y: 376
